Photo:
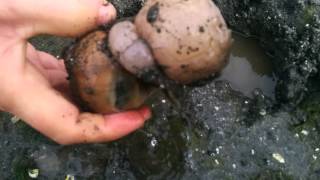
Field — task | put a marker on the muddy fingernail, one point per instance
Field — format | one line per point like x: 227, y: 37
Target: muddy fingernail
x: 146, y: 113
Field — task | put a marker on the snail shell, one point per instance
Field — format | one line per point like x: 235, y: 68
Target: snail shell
x: 98, y: 81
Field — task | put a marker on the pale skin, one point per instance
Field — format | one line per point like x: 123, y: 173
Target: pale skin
x: 33, y: 83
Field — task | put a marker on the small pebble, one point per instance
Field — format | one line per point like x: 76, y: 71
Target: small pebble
x: 279, y: 158
x: 33, y: 173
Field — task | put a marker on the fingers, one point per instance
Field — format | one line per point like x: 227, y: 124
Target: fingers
x: 45, y: 60
x: 50, y: 113
x: 52, y: 69
x: 98, y: 128
x: 122, y: 123
x: 59, y: 17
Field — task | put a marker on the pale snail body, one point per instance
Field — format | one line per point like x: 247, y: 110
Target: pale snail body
x: 130, y: 50
x: 160, y: 37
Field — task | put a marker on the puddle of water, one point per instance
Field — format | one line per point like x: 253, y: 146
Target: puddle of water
x: 249, y: 68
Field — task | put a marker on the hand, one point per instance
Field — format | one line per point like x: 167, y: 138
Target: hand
x: 30, y: 78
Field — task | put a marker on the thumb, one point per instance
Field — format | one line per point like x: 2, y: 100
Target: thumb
x: 59, y: 17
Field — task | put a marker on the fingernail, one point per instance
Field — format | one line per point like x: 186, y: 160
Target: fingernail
x: 145, y: 112
x: 107, y: 13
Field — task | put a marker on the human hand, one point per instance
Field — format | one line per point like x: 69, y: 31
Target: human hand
x: 30, y: 78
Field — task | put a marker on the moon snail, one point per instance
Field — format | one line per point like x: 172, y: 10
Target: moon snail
x: 186, y: 40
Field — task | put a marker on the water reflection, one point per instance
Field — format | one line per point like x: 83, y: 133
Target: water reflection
x: 249, y: 68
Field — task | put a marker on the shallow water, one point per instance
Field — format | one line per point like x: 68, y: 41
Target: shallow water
x: 249, y: 68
